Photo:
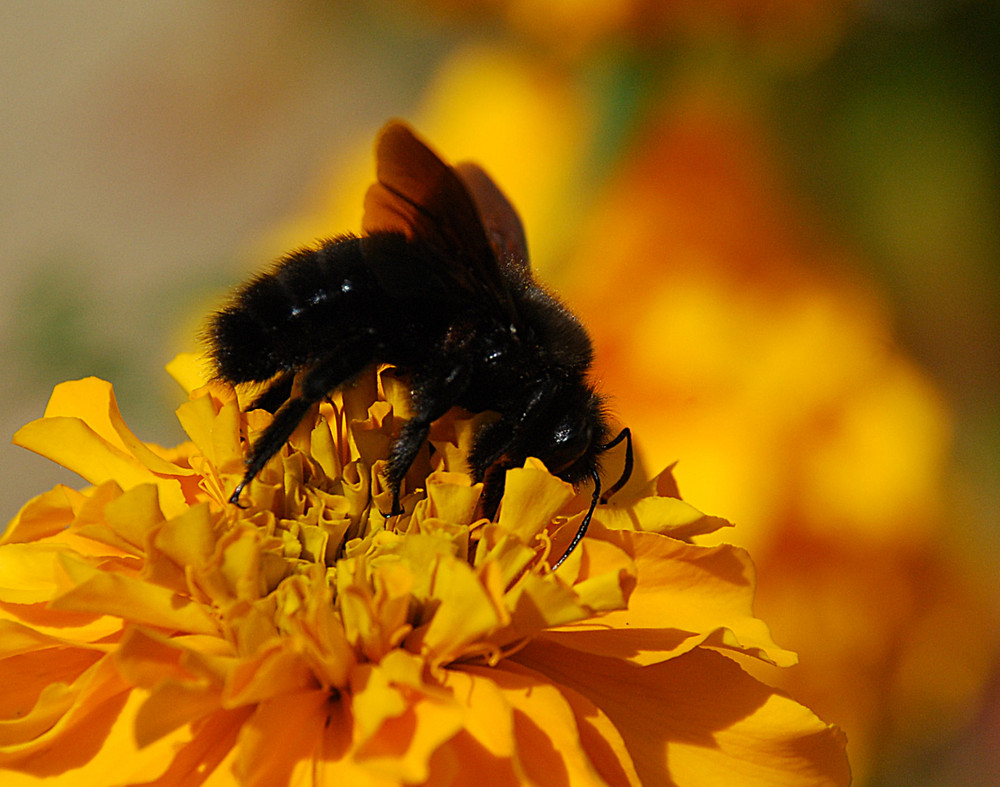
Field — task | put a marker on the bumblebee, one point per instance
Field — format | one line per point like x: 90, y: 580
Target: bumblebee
x: 439, y: 286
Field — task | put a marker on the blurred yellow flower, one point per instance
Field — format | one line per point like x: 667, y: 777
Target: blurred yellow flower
x: 525, y: 124
x: 154, y: 634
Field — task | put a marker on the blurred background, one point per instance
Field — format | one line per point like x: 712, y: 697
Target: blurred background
x: 778, y: 219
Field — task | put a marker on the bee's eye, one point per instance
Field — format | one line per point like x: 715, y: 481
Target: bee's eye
x: 569, y: 442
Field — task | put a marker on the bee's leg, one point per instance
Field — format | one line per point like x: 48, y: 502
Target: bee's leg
x: 404, y: 451
x: 494, y: 482
x: 506, y: 439
x: 276, y: 435
x: 324, y: 376
x: 501, y: 445
x: 492, y: 441
x: 276, y: 394
x: 432, y: 395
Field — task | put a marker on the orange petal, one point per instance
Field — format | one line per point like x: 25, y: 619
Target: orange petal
x: 486, y: 742
x: 171, y: 706
x: 181, y: 758
x: 18, y: 639
x: 699, y: 719
x: 202, y: 751
x: 281, y: 734
x: 66, y: 721
x: 545, y: 728
x: 405, y: 721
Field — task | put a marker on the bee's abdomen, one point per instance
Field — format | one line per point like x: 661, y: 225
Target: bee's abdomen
x: 283, y: 319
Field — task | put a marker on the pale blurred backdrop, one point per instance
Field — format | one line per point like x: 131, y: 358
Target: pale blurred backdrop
x: 155, y: 153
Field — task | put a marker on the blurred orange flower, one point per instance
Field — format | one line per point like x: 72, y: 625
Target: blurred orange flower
x: 574, y: 26
x: 155, y: 634
x: 746, y: 351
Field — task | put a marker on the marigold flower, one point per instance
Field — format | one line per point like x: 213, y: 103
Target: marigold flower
x: 154, y: 634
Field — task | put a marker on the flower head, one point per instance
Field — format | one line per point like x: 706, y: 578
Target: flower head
x: 155, y: 633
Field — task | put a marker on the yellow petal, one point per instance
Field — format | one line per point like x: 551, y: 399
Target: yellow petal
x: 452, y: 496
x: 500, y: 548
x: 45, y: 515
x: 532, y: 497
x: 279, y: 671
x: 375, y: 699
x: 189, y: 539
x: 600, y: 740
x: 666, y: 515
x: 700, y: 719
x: 685, y: 595
x: 93, y: 401
x: 189, y: 370
x: 464, y: 614
x: 489, y: 717
x: 241, y: 562
x: 539, y: 602
x: 606, y: 578
x: 215, y: 428
x: 132, y: 516
x: 27, y: 572
x: 73, y: 444
x: 105, y: 593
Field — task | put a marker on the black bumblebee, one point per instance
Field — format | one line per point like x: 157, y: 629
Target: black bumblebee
x: 439, y: 286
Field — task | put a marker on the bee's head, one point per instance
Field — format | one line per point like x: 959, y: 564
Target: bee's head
x: 577, y: 438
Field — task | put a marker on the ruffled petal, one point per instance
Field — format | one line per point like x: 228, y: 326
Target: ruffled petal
x: 685, y: 596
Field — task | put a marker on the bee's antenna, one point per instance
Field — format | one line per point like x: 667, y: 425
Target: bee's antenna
x: 586, y: 520
x: 626, y: 435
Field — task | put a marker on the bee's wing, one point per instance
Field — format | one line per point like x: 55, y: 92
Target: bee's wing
x: 504, y: 230
x: 448, y: 210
